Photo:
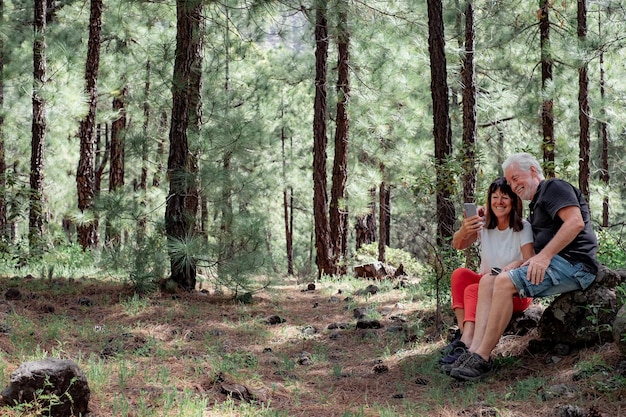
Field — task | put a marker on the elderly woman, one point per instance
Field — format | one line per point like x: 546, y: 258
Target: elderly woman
x: 506, y: 241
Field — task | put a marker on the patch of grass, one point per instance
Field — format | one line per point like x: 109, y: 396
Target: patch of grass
x: 526, y: 389
x: 135, y: 304
x: 231, y: 407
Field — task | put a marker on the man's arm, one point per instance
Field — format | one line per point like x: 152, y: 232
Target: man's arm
x: 572, y: 225
x: 527, y: 252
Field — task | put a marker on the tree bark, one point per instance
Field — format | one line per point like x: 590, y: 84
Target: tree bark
x: 338, y: 213
x: 384, y: 218
x: 142, y: 185
x: 225, y: 239
x: 584, y: 162
x: 192, y: 201
x: 116, y: 172
x: 160, y: 151
x: 547, y: 107
x: 469, y: 108
x: 287, y: 203
x: 87, y: 230
x: 442, y: 130
x: 179, y: 221
x: 36, y: 215
x: 366, y: 224
x: 4, y: 226
x: 320, y: 196
x: 604, y: 138
x: 101, y: 157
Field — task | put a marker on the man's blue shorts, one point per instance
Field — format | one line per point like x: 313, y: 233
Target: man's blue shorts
x: 561, y: 277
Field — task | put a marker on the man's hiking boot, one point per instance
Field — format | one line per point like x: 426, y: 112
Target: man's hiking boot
x: 448, y: 367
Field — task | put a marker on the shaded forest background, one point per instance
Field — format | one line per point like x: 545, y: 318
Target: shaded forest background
x: 234, y: 139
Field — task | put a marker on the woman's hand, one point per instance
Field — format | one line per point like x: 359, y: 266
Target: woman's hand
x: 473, y: 224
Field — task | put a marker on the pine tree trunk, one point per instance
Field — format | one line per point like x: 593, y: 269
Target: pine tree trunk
x: 192, y: 201
x: 4, y: 227
x: 287, y: 205
x: 179, y: 221
x: 204, y: 215
x: 469, y: 108
x: 160, y: 151
x: 116, y: 172
x: 604, y: 139
x: 584, y: 161
x: 36, y: 216
x: 51, y: 10
x: 288, y: 219
x: 547, y: 108
x: 384, y: 217
x: 338, y: 212
x: 366, y: 225
x: 101, y: 157
x: 142, y: 185
x: 442, y: 131
x: 225, y: 240
x: 468, y: 82
x: 87, y: 230
x: 320, y: 196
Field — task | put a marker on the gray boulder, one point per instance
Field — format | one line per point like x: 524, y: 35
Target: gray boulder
x: 583, y: 317
x: 58, y: 386
x: 619, y: 330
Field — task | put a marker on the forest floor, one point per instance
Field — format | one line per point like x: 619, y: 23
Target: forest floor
x: 278, y: 357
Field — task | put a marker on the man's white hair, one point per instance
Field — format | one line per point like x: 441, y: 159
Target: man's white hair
x: 524, y: 161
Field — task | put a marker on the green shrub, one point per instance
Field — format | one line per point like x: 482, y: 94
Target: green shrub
x: 611, y: 249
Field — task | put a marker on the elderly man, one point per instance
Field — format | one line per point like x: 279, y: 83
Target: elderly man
x: 565, y: 260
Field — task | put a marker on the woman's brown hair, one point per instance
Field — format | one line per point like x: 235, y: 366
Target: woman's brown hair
x: 515, y: 217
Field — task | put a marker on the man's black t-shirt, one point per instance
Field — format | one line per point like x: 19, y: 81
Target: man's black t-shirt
x: 551, y: 196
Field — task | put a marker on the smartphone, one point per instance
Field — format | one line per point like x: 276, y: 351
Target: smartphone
x: 470, y: 210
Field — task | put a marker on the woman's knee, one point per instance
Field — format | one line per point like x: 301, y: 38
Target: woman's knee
x: 464, y: 277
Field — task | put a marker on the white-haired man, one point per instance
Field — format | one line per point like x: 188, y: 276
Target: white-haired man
x: 565, y: 260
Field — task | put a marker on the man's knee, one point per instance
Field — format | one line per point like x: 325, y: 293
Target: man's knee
x: 504, y: 284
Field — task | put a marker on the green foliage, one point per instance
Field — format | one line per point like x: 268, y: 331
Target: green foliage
x: 611, y: 249
x: 143, y: 265
x: 65, y: 260
x: 594, y: 318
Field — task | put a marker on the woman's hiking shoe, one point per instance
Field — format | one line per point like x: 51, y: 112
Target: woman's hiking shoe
x: 454, y: 354
x: 474, y: 368
x: 455, y: 341
x: 448, y: 367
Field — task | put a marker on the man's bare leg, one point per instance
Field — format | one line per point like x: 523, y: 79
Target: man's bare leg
x: 500, y: 313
